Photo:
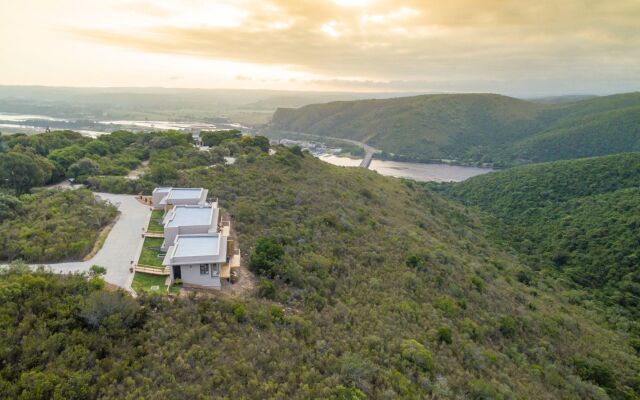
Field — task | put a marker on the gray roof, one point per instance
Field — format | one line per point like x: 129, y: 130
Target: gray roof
x: 161, y: 190
x: 197, y: 249
x: 185, y: 193
x: 191, y: 216
x: 197, y: 245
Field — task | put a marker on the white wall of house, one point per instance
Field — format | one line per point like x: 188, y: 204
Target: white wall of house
x: 184, y: 202
x: 191, y: 275
x: 156, y: 197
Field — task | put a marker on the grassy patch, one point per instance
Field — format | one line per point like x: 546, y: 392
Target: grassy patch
x: 151, y: 254
x: 175, y: 288
x: 155, y: 223
x: 145, y: 282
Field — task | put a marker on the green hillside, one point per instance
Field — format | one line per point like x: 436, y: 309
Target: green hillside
x: 427, y: 127
x: 601, y: 134
x: 475, y: 128
x: 579, y: 218
x: 370, y: 287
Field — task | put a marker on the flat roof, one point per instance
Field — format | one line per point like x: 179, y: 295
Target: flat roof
x: 190, y: 215
x: 185, y: 193
x: 197, y: 245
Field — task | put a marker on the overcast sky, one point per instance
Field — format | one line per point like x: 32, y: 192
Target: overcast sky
x: 520, y: 48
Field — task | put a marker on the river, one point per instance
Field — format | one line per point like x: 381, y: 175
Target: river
x: 421, y: 172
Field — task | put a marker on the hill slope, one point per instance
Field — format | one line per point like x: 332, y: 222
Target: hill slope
x: 577, y: 217
x: 372, y: 288
x: 429, y: 126
x: 604, y: 133
x: 475, y: 127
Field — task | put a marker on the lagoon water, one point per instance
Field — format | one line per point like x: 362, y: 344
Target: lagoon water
x: 417, y: 171
x: 24, y: 123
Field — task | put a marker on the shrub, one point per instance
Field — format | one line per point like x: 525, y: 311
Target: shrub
x: 478, y: 283
x: 414, y: 352
x: 267, y: 289
x: 444, y: 335
x: 508, y: 326
x: 277, y: 314
x: 114, y: 311
x: 594, y: 371
x: 261, y: 319
x: 523, y: 277
x: 301, y: 327
x: 97, y: 270
x: 266, y: 257
x: 482, y: 390
x: 240, y: 312
x: 447, y: 306
x: 349, y: 393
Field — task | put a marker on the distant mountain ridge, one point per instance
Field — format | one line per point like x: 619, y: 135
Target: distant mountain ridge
x: 476, y: 128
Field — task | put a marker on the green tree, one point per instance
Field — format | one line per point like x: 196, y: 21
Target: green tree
x: 21, y: 172
x: 164, y: 172
x: 215, y: 138
x: 266, y: 256
x: 10, y: 206
x: 83, y: 167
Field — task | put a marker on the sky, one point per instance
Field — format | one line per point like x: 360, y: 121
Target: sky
x: 542, y: 47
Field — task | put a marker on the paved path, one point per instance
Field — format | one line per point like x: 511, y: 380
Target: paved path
x: 122, y: 245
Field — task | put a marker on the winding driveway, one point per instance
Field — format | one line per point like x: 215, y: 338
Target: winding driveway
x: 122, y: 245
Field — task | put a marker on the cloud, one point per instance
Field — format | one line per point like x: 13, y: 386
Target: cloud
x: 411, y: 40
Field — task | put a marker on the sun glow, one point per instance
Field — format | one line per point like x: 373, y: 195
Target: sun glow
x: 377, y: 44
x: 353, y: 3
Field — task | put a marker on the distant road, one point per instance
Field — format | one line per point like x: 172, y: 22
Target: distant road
x: 368, y: 156
x: 369, y: 151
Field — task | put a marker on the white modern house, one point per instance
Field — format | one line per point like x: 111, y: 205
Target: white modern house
x: 198, y: 260
x: 189, y: 220
x: 164, y: 198
x: 197, y: 247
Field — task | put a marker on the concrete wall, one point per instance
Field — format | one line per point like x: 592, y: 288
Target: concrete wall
x: 191, y: 276
x: 184, y: 202
x: 156, y: 198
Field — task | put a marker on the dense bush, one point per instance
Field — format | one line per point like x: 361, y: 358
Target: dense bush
x: 579, y: 218
x: 215, y: 138
x: 53, y: 225
x: 375, y: 268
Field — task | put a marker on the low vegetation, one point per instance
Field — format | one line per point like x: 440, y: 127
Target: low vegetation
x: 576, y: 218
x: 151, y: 255
x: 148, y: 282
x: 155, y: 222
x: 369, y: 287
x: 51, y: 225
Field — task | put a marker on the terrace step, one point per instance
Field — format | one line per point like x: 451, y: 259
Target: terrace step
x: 154, y: 234
x: 147, y: 269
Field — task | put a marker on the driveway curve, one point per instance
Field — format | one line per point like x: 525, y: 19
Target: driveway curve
x: 122, y: 245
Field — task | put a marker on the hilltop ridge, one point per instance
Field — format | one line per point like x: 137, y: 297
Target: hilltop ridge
x: 475, y: 128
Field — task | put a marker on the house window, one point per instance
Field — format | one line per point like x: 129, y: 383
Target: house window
x: 215, y: 270
x: 204, y: 269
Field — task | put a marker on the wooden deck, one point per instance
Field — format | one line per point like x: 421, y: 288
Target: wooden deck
x: 154, y: 234
x: 147, y: 269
